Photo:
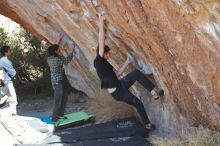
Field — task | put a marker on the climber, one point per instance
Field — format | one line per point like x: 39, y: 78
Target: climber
x: 119, y: 88
x: 5, y: 96
x: 57, y: 57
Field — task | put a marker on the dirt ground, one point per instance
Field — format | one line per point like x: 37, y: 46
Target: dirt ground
x: 110, y: 108
x: 44, y: 107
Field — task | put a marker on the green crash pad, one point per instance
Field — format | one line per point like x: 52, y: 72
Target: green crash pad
x: 73, y: 119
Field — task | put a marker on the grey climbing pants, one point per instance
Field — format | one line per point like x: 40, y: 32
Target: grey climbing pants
x: 60, y: 100
x: 123, y: 94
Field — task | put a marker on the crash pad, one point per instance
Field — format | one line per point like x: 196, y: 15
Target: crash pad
x: 128, y: 127
x: 45, y: 119
x: 72, y: 119
x: 123, y: 141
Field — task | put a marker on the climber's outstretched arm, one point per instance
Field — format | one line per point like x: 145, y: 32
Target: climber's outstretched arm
x: 101, y: 35
x: 124, y: 66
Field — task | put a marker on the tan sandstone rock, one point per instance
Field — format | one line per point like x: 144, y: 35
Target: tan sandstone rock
x: 178, y: 39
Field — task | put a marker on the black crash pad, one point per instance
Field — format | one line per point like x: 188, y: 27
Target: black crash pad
x: 114, y: 142
x: 105, y: 142
x: 129, y: 127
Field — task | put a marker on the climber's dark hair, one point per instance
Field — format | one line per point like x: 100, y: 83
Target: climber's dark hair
x: 106, y: 49
x: 52, y: 50
x: 4, y: 49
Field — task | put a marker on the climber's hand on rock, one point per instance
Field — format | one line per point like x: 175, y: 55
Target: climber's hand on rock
x: 101, y: 17
x: 60, y: 37
x: 129, y: 59
x: 72, y: 46
x: 62, y: 52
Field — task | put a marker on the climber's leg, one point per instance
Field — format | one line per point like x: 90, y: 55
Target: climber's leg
x: 122, y: 94
x: 136, y: 75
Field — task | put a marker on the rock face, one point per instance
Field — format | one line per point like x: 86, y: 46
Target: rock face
x: 178, y: 39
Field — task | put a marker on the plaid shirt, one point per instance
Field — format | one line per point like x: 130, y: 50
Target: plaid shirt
x: 56, y: 66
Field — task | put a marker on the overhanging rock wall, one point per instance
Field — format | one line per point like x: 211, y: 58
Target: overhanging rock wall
x: 180, y: 40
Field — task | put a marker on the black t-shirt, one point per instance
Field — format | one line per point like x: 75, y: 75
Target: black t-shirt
x: 105, y: 72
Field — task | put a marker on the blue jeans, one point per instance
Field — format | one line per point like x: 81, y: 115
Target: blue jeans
x: 123, y: 94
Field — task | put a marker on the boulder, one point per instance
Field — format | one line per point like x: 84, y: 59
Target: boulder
x: 178, y: 40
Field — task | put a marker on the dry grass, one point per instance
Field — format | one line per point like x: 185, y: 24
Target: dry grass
x: 196, y: 137
x: 76, y: 97
x: 106, y: 108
